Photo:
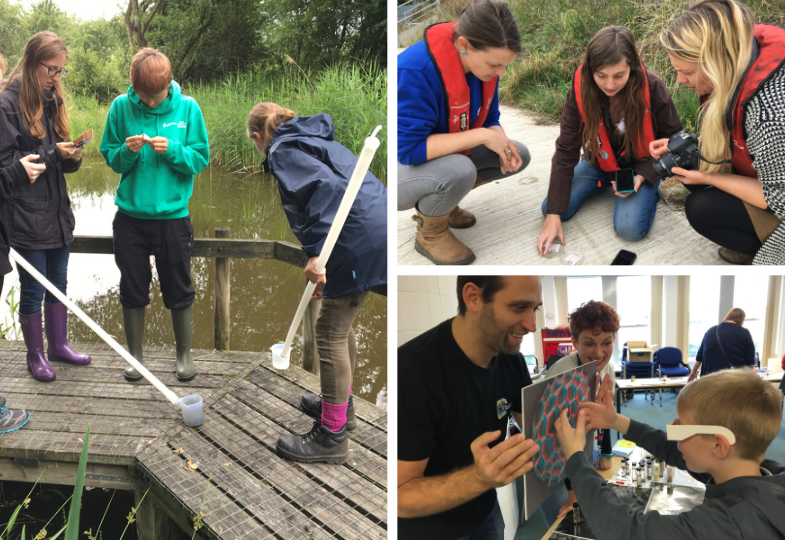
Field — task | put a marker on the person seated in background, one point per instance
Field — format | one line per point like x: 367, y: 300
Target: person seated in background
x: 593, y: 327
x: 726, y: 345
x: 726, y: 422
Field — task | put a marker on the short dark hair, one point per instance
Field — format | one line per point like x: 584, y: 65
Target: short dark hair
x: 594, y: 316
x: 490, y: 285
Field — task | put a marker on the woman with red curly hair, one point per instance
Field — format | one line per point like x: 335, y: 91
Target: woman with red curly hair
x: 593, y: 327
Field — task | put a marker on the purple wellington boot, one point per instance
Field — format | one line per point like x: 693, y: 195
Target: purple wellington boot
x: 36, y: 363
x: 58, y: 348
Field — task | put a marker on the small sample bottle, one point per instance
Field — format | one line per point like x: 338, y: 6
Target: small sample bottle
x: 639, y: 480
x: 649, y: 468
x: 633, y: 471
x: 576, y: 513
x: 656, y: 471
x: 670, y: 474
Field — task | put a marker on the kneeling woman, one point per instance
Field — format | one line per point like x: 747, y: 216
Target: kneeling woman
x: 449, y: 137
x: 614, y: 110
x: 313, y: 171
x: 736, y: 68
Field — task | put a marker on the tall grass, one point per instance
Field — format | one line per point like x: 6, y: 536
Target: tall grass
x: 555, y: 34
x: 355, y: 96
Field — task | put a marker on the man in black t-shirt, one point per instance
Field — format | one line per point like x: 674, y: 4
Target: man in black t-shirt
x: 457, y: 385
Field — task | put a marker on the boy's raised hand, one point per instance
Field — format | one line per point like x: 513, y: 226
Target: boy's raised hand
x: 571, y: 440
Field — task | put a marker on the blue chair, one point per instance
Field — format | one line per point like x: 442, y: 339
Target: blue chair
x: 667, y: 362
x: 638, y: 369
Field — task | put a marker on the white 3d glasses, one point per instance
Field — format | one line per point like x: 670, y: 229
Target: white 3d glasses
x: 679, y: 432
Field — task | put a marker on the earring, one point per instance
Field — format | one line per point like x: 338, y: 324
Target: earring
x: 463, y: 53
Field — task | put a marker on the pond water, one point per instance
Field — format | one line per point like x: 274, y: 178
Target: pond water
x: 264, y: 293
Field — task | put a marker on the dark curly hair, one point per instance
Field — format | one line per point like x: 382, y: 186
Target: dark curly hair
x: 594, y: 316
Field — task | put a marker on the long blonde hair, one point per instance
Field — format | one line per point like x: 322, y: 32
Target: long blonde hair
x: 40, y: 47
x: 717, y: 35
x: 265, y: 118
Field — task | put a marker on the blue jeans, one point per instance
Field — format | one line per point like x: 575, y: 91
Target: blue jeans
x: 491, y: 529
x: 633, y: 215
x: 53, y: 264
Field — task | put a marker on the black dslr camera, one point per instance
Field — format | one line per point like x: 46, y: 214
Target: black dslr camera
x: 683, y: 153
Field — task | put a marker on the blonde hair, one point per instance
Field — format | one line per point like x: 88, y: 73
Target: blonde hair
x: 717, y: 35
x: 39, y: 48
x: 151, y: 72
x: 265, y: 118
x: 736, y: 315
x: 737, y: 399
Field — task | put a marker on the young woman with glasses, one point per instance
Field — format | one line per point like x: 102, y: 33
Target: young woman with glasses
x: 33, y: 120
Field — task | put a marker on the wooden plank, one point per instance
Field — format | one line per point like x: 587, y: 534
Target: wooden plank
x: 68, y: 446
x: 255, y: 494
x: 253, y: 414
x: 64, y: 473
x: 345, y: 514
x: 194, y: 492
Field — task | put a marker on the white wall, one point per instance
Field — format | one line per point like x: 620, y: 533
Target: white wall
x: 424, y: 302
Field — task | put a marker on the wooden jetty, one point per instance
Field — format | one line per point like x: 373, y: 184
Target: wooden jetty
x: 224, y: 474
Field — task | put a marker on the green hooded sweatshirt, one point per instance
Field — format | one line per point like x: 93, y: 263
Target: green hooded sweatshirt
x: 153, y: 185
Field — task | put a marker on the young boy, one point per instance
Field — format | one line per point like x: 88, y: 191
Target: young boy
x: 737, y: 416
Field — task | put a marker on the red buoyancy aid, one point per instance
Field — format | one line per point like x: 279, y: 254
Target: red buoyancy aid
x: 607, y: 159
x: 439, y: 42
x: 771, y: 43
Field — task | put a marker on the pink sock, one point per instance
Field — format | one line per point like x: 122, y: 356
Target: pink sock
x: 334, y: 416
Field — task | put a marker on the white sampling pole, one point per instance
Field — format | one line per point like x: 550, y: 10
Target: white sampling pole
x: 171, y: 396
x: 371, y: 145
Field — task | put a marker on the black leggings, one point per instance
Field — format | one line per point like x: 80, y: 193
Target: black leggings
x: 722, y: 218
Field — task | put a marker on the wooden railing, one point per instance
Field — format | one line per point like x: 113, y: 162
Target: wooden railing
x: 223, y: 249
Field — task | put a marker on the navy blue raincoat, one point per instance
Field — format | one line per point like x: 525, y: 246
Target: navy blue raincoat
x: 313, y: 171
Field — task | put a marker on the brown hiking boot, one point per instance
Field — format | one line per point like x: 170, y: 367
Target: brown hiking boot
x: 460, y: 218
x: 479, y: 182
x: 438, y: 243
x: 734, y: 257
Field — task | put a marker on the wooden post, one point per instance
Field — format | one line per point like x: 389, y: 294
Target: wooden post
x: 310, y: 354
x: 223, y: 278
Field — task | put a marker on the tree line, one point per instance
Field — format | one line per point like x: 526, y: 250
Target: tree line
x: 205, y: 40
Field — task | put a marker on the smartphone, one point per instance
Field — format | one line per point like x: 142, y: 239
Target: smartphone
x: 84, y: 138
x: 624, y: 257
x: 625, y: 181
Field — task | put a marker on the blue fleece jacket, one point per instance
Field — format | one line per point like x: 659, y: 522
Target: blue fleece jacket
x: 421, y: 107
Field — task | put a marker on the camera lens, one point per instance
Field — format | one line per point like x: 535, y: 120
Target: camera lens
x: 664, y: 165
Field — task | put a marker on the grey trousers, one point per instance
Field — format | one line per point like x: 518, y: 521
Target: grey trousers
x: 437, y: 186
x: 337, y: 346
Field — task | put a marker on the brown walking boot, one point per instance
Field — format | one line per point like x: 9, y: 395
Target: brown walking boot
x: 438, y: 243
x: 734, y: 257
x: 460, y: 218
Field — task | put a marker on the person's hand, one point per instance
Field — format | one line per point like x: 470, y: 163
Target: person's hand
x: 600, y: 415
x: 158, y: 144
x: 566, y: 508
x: 637, y: 183
x: 550, y: 229
x: 313, y: 275
x: 571, y: 440
x: 691, y: 177
x: 317, y: 292
x: 505, y: 147
x: 606, y: 463
x: 605, y: 386
x: 658, y: 148
x: 33, y: 170
x: 69, y: 151
x: 135, y: 143
x: 693, y: 376
x: 500, y: 465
